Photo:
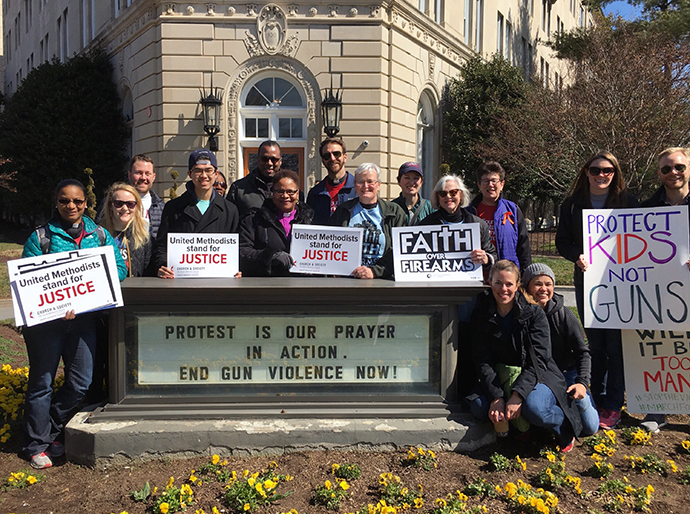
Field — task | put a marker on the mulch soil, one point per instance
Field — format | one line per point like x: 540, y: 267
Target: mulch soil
x: 71, y: 488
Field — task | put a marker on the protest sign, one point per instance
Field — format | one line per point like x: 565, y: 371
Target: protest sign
x: 637, y: 276
x: 436, y: 253
x: 204, y: 255
x: 45, y: 287
x: 657, y: 371
x: 325, y: 250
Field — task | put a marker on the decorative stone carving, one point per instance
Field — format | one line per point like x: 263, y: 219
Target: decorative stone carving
x: 230, y: 11
x: 253, y: 47
x: 251, y: 9
x: 292, y: 9
x: 291, y: 45
x: 271, y: 26
x: 190, y: 10
x: 313, y: 11
x: 169, y: 9
x: 353, y: 12
x: 332, y: 11
x: 374, y: 11
x: 210, y: 9
x: 432, y: 64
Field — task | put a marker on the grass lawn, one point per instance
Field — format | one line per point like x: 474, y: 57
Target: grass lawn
x: 8, y: 251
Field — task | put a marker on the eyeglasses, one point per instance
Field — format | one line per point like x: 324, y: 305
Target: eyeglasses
x: 366, y: 182
x: 220, y: 184
x: 289, y: 192
x: 486, y: 181
x: 76, y: 201
x: 595, y: 172
x: 452, y: 193
x: 266, y: 158
x: 327, y: 155
x: 204, y: 171
x: 665, y: 170
x: 131, y: 204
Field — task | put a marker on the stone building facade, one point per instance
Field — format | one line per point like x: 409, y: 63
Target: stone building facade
x: 391, y: 59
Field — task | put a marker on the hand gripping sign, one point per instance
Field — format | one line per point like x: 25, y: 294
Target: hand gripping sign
x: 325, y: 250
x: 204, y: 255
x: 45, y: 287
x: 636, y: 275
x: 436, y: 253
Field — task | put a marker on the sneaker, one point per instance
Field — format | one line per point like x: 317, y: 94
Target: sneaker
x: 569, y: 447
x: 609, y: 419
x: 41, y: 461
x: 654, y: 422
x: 56, y: 449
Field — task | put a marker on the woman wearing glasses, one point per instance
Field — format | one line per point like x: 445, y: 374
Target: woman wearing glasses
x: 450, y: 197
x: 72, y: 338
x: 377, y: 217
x: 598, y: 185
x: 265, y: 232
x: 124, y: 221
x: 198, y: 210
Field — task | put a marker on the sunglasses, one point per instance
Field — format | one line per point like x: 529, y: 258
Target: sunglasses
x: 595, y: 172
x: 327, y: 155
x: 220, y: 184
x: 67, y: 201
x: 265, y: 158
x: 452, y: 193
x: 665, y: 170
x: 131, y: 204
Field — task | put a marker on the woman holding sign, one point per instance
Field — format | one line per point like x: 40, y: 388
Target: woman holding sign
x: 124, y: 221
x: 265, y: 233
x: 511, y: 351
x: 72, y: 338
x: 598, y: 185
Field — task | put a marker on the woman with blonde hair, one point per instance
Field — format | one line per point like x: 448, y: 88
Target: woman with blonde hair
x: 124, y: 221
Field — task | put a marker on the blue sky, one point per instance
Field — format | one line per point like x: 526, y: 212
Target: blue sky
x: 624, y: 9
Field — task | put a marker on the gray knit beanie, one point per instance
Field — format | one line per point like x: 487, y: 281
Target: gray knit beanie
x: 534, y: 270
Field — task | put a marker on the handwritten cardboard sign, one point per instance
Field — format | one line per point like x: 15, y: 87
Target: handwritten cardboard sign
x: 204, y: 255
x: 45, y: 287
x: 325, y: 250
x: 436, y: 253
x: 657, y: 371
x: 637, y: 276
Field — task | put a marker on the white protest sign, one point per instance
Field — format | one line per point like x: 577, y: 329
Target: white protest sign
x: 637, y: 277
x: 325, y: 250
x: 45, y: 287
x: 657, y: 370
x: 204, y: 255
x: 437, y: 253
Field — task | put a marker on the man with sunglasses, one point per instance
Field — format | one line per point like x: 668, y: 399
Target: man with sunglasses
x: 250, y: 192
x: 674, y: 174
x: 337, y: 187
x: 198, y: 210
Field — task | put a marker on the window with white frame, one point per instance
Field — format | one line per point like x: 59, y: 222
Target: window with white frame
x: 509, y: 55
x: 425, y: 140
x: 500, y: 24
x: 478, y: 19
x: 423, y: 6
x: 438, y: 11
x: 467, y: 22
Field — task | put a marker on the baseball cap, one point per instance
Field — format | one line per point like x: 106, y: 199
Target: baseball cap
x: 204, y: 156
x: 410, y: 166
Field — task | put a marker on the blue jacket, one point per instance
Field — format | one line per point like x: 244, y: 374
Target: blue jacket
x: 512, y: 238
x: 60, y: 241
x: 320, y: 200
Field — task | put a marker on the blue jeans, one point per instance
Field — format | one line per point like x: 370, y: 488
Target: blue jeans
x: 588, y: 411
x: 541, y: 409
x: 606, y: 348
x: 45, y: 413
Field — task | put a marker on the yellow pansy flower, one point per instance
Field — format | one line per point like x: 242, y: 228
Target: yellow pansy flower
x: 164, y: 507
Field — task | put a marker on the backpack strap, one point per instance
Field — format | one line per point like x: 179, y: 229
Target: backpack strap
x: 43, y: 239
x: 101, y: 234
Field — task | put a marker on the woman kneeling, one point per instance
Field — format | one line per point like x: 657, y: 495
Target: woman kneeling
x: 511, y: 349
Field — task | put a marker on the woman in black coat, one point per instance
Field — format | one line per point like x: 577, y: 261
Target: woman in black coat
x: 511, y: 343
x: 265, y: 232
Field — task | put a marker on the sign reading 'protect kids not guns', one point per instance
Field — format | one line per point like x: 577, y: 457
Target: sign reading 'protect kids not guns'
x: 637, y: 275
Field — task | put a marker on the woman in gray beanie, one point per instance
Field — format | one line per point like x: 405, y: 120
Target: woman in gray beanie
x: 568, y: 346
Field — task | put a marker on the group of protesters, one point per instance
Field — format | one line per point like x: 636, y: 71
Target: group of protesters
x: 530, y: 364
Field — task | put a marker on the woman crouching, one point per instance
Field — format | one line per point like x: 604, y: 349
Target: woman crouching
x: 511, y: 350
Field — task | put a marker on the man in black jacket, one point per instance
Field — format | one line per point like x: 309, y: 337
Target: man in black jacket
x: 199, y: 210
x: 674, y: 173
x: 250, y: 192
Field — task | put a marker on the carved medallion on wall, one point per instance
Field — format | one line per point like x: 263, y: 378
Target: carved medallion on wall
x: 271, y: 26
